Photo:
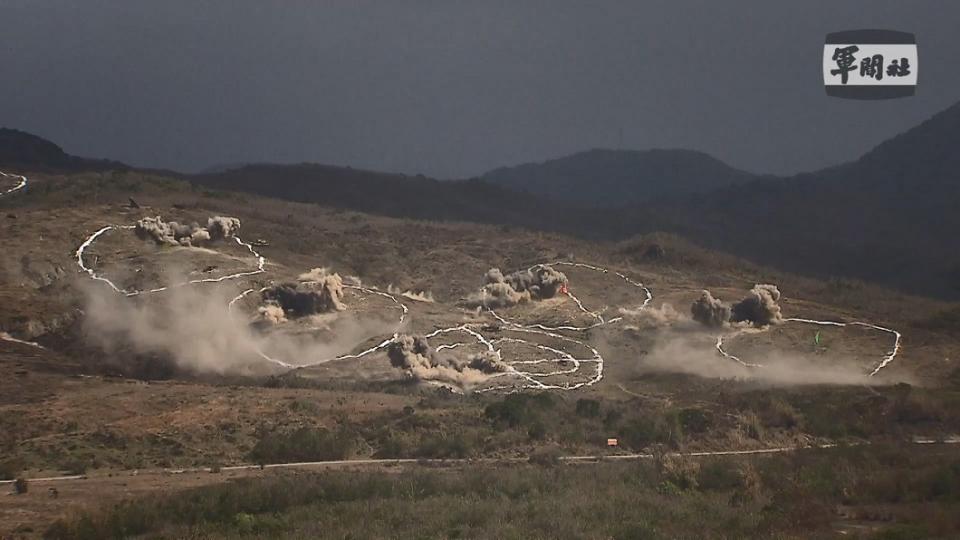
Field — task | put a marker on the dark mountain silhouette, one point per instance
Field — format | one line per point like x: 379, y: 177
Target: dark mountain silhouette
x: 22, y: 150
x: 888, y: 217
x: 891, y: 216
x: 224, y: 167
x: 620, y: 177
x: 397, y: 195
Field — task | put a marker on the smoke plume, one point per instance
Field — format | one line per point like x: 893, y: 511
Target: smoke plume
x: 193, y: 327
x: 759, y: 307
x: 176, y: 234
x: 542, y: 281
x: 710, y: 311
x: 419, y: 360
x: 321, y: 294
x: 220, y: 227
x: 270, y: 314
x: 500, y: 290
x: 497, y: 295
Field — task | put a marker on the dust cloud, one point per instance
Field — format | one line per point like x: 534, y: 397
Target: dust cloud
x: 710, y: 311
x: 499, y: 290
x: 656, y: 317
x: 181, y: 234
x: 695, y: 354
x: 420, y: 361
x: 193, y: 327
x: 321, y: 295
x: 759, y: 308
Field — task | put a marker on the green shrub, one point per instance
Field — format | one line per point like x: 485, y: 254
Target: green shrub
x: 644, y: 431
x: 303, y: 444
x: 777, y: 413
x: 677, y: 472
x: 546, y: 457
x: 719, y: 475
x: 537, y: 431
x: 74, y: 466
x: 10, y: 468
x: 518, y: 409
x: 903, y: 532
x: 695, y: 420
x: 444, y: 446
x: 392, y: 445
x: 916, y: 408
x: 588, y: 408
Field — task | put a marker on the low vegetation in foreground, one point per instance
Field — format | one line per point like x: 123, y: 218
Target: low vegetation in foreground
x: 883, y: 492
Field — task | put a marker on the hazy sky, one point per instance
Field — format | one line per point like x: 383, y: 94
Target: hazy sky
x: 452, y: 88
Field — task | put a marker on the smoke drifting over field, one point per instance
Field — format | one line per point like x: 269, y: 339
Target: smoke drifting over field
x: 497, y: 295
x: 176, y: 234
x: 499, y: 290
x: 193, y: 327
x: 663, y: 316
x: 675, y: 353
x: 760, y: 308
x: 419, y: 360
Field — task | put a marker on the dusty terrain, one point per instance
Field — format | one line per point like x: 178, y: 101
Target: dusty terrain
x: 77, y: 402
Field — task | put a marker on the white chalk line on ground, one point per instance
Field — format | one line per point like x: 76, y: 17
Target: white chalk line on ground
x: 886, y: 359
x: 528, y: 379
x: 531, y: 379
x: 261, y: 261
x: 20, y: 185
x: 381, y: 345
x: 585, y: 459
x: 600, y: 321
x: 882, y: 364
x: 534, y: 379
x: 7, y: 337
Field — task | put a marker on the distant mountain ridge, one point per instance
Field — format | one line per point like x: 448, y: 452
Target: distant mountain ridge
x: 890, y: 216
x: 605, y: 178
x: 20, y: 149
x: 390, y: 194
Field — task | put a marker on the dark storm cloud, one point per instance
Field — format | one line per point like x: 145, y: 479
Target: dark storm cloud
x: 453, y: 88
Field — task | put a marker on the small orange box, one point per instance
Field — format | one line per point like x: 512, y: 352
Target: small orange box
x: 612, y: 442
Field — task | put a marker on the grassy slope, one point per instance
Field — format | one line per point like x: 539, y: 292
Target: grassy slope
x: 53, y: 422
x: 884, y: 492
